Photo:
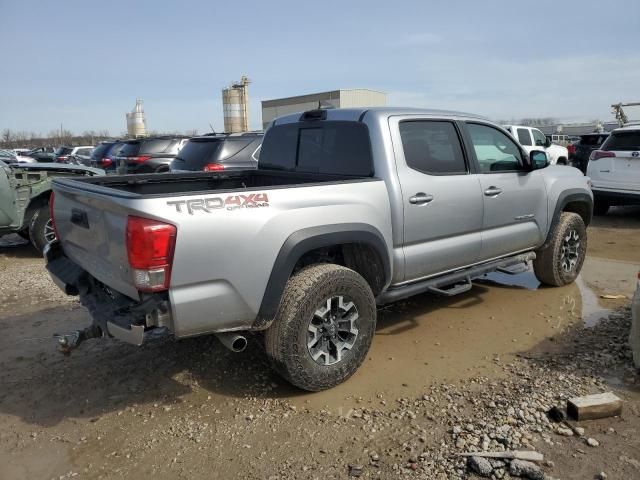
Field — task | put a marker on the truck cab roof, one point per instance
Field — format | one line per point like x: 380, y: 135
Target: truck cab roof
x: 357, y: 114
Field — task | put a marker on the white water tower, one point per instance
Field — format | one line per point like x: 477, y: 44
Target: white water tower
x: 136, y: 124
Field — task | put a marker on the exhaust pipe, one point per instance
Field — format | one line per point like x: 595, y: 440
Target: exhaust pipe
x: 233, y: 341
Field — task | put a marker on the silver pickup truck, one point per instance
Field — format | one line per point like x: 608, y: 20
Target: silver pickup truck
x: 348, y: 209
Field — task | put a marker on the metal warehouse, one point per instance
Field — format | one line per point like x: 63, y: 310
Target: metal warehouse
x: 343, y: 98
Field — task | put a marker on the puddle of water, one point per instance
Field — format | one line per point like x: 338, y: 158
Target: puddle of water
x: 430, y: 339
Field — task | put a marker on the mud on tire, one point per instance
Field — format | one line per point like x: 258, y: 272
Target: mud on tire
x: 291, y: 339
x: 561, y: 261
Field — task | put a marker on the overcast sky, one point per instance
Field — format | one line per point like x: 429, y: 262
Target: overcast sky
x: 83, y: 63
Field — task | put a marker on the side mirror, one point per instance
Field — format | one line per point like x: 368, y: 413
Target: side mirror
x: 538, y: 160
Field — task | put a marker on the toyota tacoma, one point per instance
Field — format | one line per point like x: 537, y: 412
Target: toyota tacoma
x: 348, y: 209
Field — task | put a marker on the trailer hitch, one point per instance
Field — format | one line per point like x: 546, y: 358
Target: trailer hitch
x: 71, y: 341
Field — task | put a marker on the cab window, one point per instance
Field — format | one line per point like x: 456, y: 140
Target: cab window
x: 495, y: 151
x: 538, y: 138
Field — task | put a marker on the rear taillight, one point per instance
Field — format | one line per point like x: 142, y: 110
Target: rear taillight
x: 213, y: 167
x: 139, y: 158
x: 52, y: 199
x: 105, y: 162
x: 150, y: 246
x: 61, y: 159
x: 597, y: 154
x: 571, y: 149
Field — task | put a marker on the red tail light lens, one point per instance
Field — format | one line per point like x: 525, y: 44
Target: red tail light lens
x: 213, y: 167
x: 571, y: 149
x: 139, y: 159
x: 597, y: 154
x: 105, y: 162
x: 150, y: 246
x: 61, y: 159
x: 52, y: 199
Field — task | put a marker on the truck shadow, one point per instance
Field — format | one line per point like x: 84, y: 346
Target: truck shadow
x: 14, y: 246
x: 43, y: 387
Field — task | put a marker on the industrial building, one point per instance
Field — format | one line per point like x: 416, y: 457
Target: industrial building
x: 235, y: 106
x: 343, y: 98
x: 136, y: 123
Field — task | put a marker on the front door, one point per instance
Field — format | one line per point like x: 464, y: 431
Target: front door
x: 515, y: 199
x: 441, y: 196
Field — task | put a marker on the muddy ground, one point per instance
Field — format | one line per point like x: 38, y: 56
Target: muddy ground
x: 443, y: 375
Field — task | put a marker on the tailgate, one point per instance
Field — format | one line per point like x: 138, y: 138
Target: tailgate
x: 92, y: 231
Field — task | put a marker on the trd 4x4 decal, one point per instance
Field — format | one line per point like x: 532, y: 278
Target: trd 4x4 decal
x: 232, y: 202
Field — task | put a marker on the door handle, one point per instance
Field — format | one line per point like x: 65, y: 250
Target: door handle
x: 492, y: 191
x: 420, y: 198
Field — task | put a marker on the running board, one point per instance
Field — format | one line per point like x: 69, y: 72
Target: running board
x: 453, y: 283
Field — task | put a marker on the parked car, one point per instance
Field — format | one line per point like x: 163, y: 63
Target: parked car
x: 24, y: 198
x: 103, y: 156
x: 348, y: 209
x: 149, y: 155
x: 533, y: 139
x: 581, y: 151
x: 222, y: 152
x: 43, y: 154
x: 23, y: 155
x: 8, y: 156
x: 77, y: 155
x: 614, y: 170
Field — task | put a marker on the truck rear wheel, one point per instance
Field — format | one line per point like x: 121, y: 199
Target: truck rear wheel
x: 324, y: 327
x: 41, y: 230
x: 561, y: 261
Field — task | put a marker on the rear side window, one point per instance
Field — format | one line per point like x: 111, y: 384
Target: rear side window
x: 331, y: 147
x: 157, y: 145
x: 524, y: 137
x: 432, y: 147
x: 623, y: 141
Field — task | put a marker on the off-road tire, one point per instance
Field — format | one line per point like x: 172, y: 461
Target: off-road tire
x: 600, y: 207
x: 37, y: 227
x: 548, y: 263
x: 286, y: 339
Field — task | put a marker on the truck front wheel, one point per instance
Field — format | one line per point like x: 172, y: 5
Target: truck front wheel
x: 561, y: 261
x: 41, y: 230
x: 324, y: 327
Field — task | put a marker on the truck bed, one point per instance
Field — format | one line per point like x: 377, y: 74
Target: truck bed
x: 176, y: 184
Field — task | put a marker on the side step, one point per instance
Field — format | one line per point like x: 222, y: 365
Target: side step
x: 456, y: 282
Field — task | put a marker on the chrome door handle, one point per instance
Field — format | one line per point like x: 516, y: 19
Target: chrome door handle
x: 420, y: 198
x: 492, y: 191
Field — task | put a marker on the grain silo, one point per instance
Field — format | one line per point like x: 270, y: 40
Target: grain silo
x: 136, y: 124
x: 235, y: 105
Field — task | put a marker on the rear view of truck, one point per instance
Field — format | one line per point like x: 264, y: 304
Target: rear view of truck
x: 228, y: 252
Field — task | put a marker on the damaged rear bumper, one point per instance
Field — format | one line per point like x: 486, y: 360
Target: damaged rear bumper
x: 115, y: 314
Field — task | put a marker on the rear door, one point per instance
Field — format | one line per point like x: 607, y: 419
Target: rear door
x: 621, y: 172
x: 515, y: 200
x: 441, y: 196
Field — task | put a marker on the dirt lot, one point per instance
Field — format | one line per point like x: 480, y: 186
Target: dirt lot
x: 443, y: 376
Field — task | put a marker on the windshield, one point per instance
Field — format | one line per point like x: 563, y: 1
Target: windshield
x: 333, y: 147
x: 64, y: 151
